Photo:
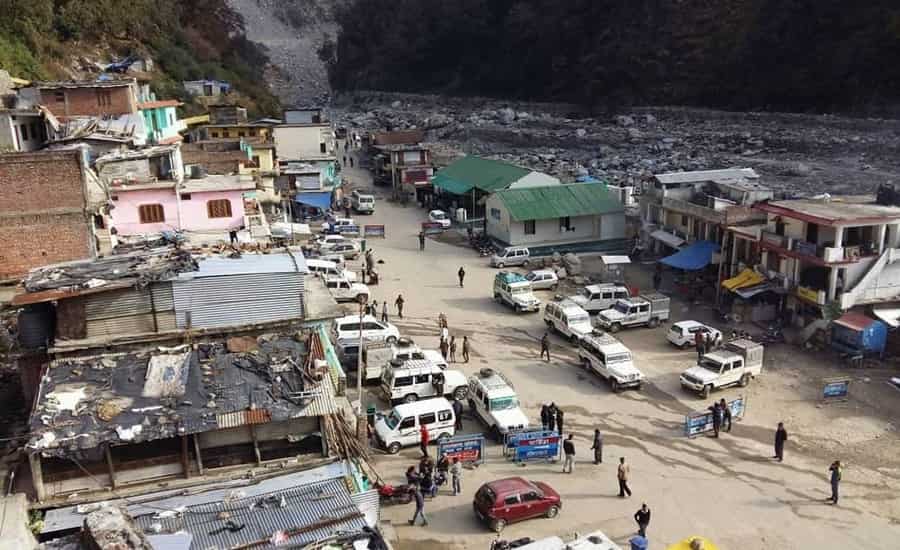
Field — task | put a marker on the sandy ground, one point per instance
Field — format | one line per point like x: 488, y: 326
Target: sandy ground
x: 727, y: 489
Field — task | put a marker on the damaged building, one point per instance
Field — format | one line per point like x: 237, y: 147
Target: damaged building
x: 129, y: 420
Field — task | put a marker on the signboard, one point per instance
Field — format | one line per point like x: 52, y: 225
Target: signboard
x: 702, y: 422
x: 526, y: 446
x: 430, y: 228
x: 468, y: 448
x: 373, y: 231
x: 348, y: 229
x: 836, y: 389
x: 808, y: 294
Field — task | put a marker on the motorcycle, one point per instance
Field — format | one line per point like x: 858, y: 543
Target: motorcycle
x: 390, y: 494
x: 501, y: 544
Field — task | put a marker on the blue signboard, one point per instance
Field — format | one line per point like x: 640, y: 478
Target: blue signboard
x: 373, y: 230
x: 836, y: 389
x: 468, y: 448
x: 700, y: 422
x: 348, y: 229
x: 536, y: 445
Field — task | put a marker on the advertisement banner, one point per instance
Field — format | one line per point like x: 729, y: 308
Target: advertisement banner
x: 533, y: 445
x: 468, y: 448
x: 348, y: 230
x: 373, y: 231
x: 430, y: 228
x: 836, y: 389
x: 702, y: 421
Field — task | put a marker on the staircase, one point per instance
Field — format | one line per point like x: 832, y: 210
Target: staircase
x: 881, y: 282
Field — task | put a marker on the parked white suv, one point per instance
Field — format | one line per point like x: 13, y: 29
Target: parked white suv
x: 342, y: 290
x: 568, y: 319
x: 513, y: 289
x: 596, y: 298
x: 364, y: 203
x: 608, y: 357
x: 511, y: 255
x: 415, y: 379
x: 325, y: 267
x: 347, y: 328
x: 683, y: 333
x: 493, y: 400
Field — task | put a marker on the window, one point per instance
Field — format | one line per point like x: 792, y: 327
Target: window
x: 407, y: 423
x: 151, y: 213
x: 529, y: 227
x: 511, y: 500
x: 403, y: 381
x: 214, y: 134
x: 220, y: 208
x: 253, y: 131
x: 242, y: 134
x: 565, y: 224
x: 60, y: 97
x: 606, y: 296
x: 531, y: 496
x: 185, y: 196
x: 422, y: 378
x: 115, y: 197
x: 226, y: 133
x: 444, y: 416
x: 104, y: 98
x: 495, y: 213
x: 322, y: 148
x: 99, y: 222
x: 24, y: 128
x: 171, y: 119
x: 621, y: 294
x: 684, y: 220
x: 427, y: 418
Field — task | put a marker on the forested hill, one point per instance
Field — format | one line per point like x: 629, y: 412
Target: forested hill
x: 187, y: 39
x: 745, y: 54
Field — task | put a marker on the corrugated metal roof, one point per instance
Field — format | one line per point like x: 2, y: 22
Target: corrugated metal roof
x: 727, y: 175
x: 855, y: 321
x: 327, y: 504
x: 484, y: 174
x: 559, y: 201
x: 243, y: 418
x: 249, y: 264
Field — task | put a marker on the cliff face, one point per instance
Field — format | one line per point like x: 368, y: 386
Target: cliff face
x: 776, y: 54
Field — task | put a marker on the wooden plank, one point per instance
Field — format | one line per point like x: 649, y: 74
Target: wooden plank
x: 197, y: 454
x: 109, y: 465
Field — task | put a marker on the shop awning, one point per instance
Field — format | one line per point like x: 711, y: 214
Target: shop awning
x: 696, y: 256
x: 890, y: 315
x: 318, y: 199
x: 753, y: 290
x: 667, y: 238
x: 747, y: 277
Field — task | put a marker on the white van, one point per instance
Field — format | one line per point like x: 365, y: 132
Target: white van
x: 362, y: 203
x: 511, y: 255
x: 347, y: 328
x: 414, y: 379
x: 568, y: 318
x: 329, y: 268
x: 400, y: 427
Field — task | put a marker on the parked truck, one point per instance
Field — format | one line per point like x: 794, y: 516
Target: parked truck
x: 737, y: 362
x: 645, y: 310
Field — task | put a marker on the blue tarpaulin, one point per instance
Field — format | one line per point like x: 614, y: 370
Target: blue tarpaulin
x: 319, y: 199
x: 692, y: 257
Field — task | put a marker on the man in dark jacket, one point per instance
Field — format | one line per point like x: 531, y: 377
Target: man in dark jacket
x: 399, y: 303
x: 698, y: 342
x: 551, y: 417
x: 462, y: 275
x: 597, y: 447
x: 716, y: 418
x: 569, y: 452
x: 545, y: 346
x: 545, y: 416
x: 836, y: 472
x: 458, y: 412
x: 781, y: 436
x: 642, y: 517
x: 559, y: 420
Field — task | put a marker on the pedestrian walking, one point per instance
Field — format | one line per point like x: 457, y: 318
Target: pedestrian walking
x: 781, y: 436
x: 622, y: 475
x: 412, y: 477
x: 569, y: 452
x: 551, y: 417
x: 456, y: 475
x: 372, y: 308
x: 545, y: 416
x: 458, y: 412
x: 836, y: 471
x: 465, y: 349
x: 462, y: 275
x: 597, y: 447
x: 384, y: 312
x: 445, y: 334
x: 559, y: 420
x: 657, y: 280
x: 445, y: 349
x: 698, y: 342
x: 545, y: 346
x: 423, y: 440
x: 716, y: 418
x: 421, y: 240
x: 642, y: 517
x: 453, y: 349
x: 427, y: 484
x: 708, y: 342
x: 726, y: 415
x: 419, y: 499
x: 399, y: 303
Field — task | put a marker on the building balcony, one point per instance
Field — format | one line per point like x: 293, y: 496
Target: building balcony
x: 724, y: 213
x: 803, y: 250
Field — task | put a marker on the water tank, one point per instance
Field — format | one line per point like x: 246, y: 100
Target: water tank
x: 37, y: 324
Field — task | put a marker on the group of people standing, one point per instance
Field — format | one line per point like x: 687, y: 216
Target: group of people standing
x: 372, y: 308
x: 429, y: 476
x: 721, y: 416
x: 552, y: 418
x: 448, y: 342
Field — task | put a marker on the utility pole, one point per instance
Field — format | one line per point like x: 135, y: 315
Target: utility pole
x: 359, y: 358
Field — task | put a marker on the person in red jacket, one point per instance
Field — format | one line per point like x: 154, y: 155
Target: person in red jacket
x: 423, y: 439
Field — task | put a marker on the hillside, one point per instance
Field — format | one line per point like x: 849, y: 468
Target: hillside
x: 744, y: 54
x: 59, y: 39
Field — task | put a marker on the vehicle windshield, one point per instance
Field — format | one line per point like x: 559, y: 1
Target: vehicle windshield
x: 586, y: 293
x: 392, y: 420
x: 504, y: 403
x: 437, y: 215
x: 618, y: 358
x: 580, y: 319
x: 530, y: 276
x: 710, y: 365
x: 519, y: 290
x: 621, y: 307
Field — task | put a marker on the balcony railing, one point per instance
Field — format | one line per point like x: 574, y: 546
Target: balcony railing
x: 827, y: 254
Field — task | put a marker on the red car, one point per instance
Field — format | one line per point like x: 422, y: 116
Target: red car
x: 514, y: 499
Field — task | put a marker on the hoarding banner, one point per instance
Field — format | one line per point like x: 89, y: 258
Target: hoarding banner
x: 373, y: 231
x: 836, y: 389
x: 468, y: 448
x: 701, y: 422
x: 535, y: 445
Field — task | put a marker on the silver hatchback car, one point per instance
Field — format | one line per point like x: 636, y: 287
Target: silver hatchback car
x: 511, y: 255
x: 542, y: 279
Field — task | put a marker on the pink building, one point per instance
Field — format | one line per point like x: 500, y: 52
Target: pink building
x: 212, y: 204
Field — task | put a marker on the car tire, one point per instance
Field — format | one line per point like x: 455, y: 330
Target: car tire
x: 552, y: 512
x: 549, y: 323
x: 573, y: 338
x: 359, y: 298
x: 460, y: 393
x: 704, y: 393
x: 653, y: 322
x: 614, y: 385
x: 410, y: 398
x: 443, y: 438
x: 616, y: 327
x: 496, y: 297
x: 500, y: 265
x: 498, y: 525
x: 685, y: 345
x: 586, y: 363
x: 554, y: 287
x: 393, y: 448
x: 525, y: 263
x: 391, y: 339
x: 745, y: 380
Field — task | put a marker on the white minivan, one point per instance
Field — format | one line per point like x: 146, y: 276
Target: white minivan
x: 347, y: 328
x: 511, y: 255
x: 400, y: 427
x: 414, y: 379
x: 567, y: 318
x: 324, y: 267
x: 362, y: 203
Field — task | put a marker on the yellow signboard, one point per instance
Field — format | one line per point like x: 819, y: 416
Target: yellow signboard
x: 808, y: 294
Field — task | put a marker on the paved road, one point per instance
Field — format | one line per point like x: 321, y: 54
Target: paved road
x: 727, y: 489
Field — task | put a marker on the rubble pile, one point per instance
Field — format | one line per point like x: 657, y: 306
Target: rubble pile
x: 799, y: 154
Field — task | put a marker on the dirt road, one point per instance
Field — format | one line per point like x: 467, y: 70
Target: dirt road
x: 727, y: 489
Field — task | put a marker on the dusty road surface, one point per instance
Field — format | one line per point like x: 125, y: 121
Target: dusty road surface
x: 727, y: 489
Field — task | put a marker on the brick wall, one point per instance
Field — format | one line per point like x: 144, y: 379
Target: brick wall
x: 87, y: 101
x: 42, y: 211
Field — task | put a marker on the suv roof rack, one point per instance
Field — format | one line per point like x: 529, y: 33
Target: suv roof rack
x: 485, y: 375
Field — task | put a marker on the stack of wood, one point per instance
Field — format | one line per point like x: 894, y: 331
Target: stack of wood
x: 343, y: 442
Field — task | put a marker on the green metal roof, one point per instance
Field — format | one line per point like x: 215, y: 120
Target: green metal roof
x: 475, y: 172
x: 559, y: 201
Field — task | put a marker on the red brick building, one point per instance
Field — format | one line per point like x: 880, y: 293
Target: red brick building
x: 46, y: 204
x: 70, y: 99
